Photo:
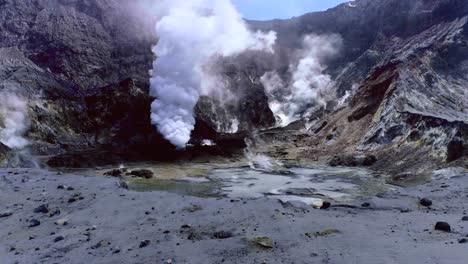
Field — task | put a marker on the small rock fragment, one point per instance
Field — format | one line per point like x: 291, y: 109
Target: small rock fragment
x: 465, y: 218
x: 54, y: 212
x: 44, y: 209
x: 34, y: 223
x: 327, y: 231
x: 59, y: 238
x: 6, y: 214
x: 264, y: 242
x: 462, y: 240
x: 425, y: 202
x: 194, y: 208
x: 222, y: 235
x: 101, y: 243
x: 144, y: 243
x: 61, y: 222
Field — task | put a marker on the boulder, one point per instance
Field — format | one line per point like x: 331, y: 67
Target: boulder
x: 455, y: 150
x: 442, y: 226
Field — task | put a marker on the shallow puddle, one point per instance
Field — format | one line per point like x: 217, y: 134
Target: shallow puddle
x: 287, y: 183
x: 311, y: 185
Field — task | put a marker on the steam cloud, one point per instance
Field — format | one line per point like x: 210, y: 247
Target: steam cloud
x: 14, y: 121
x: 191, y: 33
x: 309, y: 84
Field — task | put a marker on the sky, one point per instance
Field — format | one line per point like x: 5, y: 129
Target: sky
x: 271, y: 9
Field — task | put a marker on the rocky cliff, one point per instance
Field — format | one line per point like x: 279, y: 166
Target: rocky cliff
x: 83, y: 66
x: 407, y: 61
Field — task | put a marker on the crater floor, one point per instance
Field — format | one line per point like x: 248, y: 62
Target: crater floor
x: 109, y: 224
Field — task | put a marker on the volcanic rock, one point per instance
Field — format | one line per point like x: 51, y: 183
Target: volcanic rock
x: 34, y: 223
x: 59, y: 238
x: 325, y: 205
x: 147, y: 174
x: 222, y: 235
x: 425, y: 202
x: 102, y: 243
x: 5, y: 214
x: 442, y: 226
x: 42, y: 209
x: 4, y: 153
x: 264, y: 242
x: 114, y: 173
x: 144, y: 243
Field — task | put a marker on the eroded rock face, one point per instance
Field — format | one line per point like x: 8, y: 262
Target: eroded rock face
x: 407, y: 73
x: 4, y: 153
x: 82, y: 67
x: 241, y: 104
x: 89, y: 43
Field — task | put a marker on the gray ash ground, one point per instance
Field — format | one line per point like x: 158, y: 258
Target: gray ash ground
x: 93, y: 220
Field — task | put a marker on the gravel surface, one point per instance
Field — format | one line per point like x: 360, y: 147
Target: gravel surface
x: 47, y: 217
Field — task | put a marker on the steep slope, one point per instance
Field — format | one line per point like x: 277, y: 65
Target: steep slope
x: 411, y: 102
x: 83, y: 68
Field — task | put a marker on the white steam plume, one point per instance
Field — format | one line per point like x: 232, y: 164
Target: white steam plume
x: 191, y: 32
x: 14, y: 121
x: 309, y: 84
